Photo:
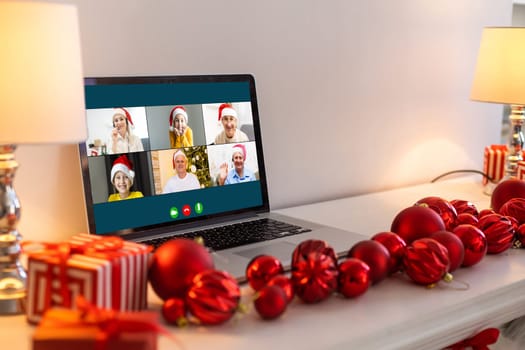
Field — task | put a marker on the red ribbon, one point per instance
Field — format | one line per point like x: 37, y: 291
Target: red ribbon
x: 111, y: 323
x: 478, y: 342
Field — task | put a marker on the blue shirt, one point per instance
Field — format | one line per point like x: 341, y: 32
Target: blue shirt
x: 234, y: 178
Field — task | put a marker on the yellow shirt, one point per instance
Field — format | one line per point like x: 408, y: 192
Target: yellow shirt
x: 186, y: 140
x: 116, y: 197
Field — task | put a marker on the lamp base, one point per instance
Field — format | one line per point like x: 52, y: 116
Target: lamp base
x: 13, y: 277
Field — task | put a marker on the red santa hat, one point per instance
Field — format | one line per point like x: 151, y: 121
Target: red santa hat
x: 123, y: 164
x: 176, y: 154
x: 124, y: 112
x: 177, y: 110
x: 226, y: 109
x: 239, y: 148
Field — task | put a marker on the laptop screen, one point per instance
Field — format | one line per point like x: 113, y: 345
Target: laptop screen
x: 170, y: 151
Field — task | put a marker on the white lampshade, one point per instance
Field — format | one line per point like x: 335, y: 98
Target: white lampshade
x: 41, y: 80
x: 500, y: 70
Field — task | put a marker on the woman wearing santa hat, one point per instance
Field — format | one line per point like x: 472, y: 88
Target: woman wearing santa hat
x: 182, y: 180
x: 181, y: 134
x: 230, y: 133
x: 122, y: 176
x: 122, y: 139
x: 239, y: 173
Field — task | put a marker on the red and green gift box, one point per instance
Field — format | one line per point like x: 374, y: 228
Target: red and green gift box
x: 88, y: 327
x: 107, y: 271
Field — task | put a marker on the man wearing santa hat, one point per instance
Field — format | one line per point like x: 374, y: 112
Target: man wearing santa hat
x: 182, y: 180
x: 122, y: 139
x: 230, y: 133
x: 122, y: 176
x: 239, y: 173
x: 181, y: 134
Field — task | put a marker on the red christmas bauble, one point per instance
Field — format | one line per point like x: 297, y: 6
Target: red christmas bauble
x: 484, y: 212
x: 354, y: 277
x: 506, y: 190
x: 270, y: 302
x: 426, y: 261
x: 285, y: 283
x: 499, y: 231
x: 375, y: 255
x: 174, y: 311
x: 174, y: 264
x: 396, y: 247
x: 213, y: 297
x: 464, y: 206
x: 314, y: 271
x: 474, y: 241
x: 416, y: 222
x: 466, y: 218
x: 443, y: 208
x: 261, y: 269
x: 515, y: 208
x: 454, y: 245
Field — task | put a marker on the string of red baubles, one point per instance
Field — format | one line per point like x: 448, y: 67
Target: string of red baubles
x: 426, y: 241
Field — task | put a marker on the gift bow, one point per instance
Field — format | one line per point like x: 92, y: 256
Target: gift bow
x: 478, y: 342
x: 110, y: 322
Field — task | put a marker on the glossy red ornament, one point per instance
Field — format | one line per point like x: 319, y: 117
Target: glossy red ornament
x: 174, y: 311
x: 261, y: 269
x: 499, y: 231
x: 464, y: 206
x: 506, y: 190
x: 484, y: 212
x: 454, y: 245
x: 396, y: 247
x: 213, y: 297
x: 466, y: 218
x: 474, y: 241
x: 174, y: 264
x: 443, y: 208
x: 285, y: 283
x: 314, y: 271
x: 354, y: 278
x: 415, y: 222
x: 426, y: 261
x: 270, y: 302
x: 515, y: 208
x: 375, y: 255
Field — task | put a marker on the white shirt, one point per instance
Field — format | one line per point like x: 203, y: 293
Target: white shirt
x: 176, y: 184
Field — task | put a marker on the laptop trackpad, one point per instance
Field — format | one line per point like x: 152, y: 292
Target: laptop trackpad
x: 280, y: 250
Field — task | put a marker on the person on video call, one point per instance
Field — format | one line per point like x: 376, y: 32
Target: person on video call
x: 122, y: 176
x: 230, y: 133
x: 182, y: 180
x: 239, y: 173
x: 181, y: 134
x: 122, y: 139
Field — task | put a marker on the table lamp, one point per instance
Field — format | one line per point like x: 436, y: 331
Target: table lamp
x: 41, y: 102
x: 500, y: 78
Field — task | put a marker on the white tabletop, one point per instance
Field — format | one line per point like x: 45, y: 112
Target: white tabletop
x: 394, y: 314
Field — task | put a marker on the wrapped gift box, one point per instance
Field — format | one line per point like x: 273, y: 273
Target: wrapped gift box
x: 96, y: 329
x: 494, y: 160
x: 108, y: 271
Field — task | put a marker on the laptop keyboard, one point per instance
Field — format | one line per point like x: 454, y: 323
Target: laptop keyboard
x: 235, y: 235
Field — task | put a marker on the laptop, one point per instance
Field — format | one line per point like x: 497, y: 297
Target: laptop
x: 158, y: 205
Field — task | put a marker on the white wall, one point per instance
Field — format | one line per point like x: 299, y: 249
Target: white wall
x: 355, y: 96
